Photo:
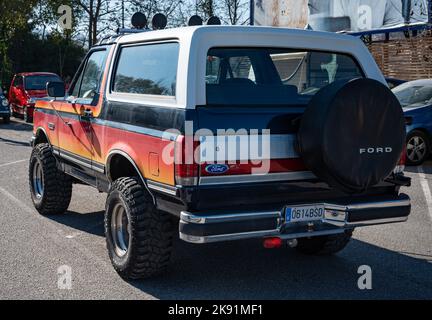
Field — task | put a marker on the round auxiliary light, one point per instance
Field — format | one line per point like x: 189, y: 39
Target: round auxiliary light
x: 195, y: 21
x: 214, y: 21
x: 159, y: 21
x: 139, y: 20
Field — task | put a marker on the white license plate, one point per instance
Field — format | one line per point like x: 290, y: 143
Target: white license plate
x: 304, y: 213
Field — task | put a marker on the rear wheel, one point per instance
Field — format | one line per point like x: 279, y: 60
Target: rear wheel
x: 139, y: 237
x: 325, y: 245
x: 417, y: 147
x: 51, y: 189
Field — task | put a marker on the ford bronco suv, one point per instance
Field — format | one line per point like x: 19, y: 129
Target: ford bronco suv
x: 223, y: 133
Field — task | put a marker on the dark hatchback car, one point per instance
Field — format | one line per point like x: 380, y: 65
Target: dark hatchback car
x: 416, y: 100
x: 4, y: 107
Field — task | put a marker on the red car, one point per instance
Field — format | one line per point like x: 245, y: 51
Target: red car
x: 25, y: 88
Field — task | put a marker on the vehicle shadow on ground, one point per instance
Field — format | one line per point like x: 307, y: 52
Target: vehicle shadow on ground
x: 427, y: 168
x: 89, y: 222
x: 15, y: 142
x: 244, y: 270
x: 16, y: 126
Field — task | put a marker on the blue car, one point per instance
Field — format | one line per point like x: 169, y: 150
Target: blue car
x: 416, y: 100
x: 4, y: 107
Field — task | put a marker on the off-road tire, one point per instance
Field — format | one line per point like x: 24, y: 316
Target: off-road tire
x: 150, y: 232
x: 6, y: 120
x: 427, y: 150
x: 325, y: 245
x: 57, y: 186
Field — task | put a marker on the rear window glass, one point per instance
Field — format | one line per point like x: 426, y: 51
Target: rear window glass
x: 250, y: 76
x: 148, y: 69
x: 39, y: 82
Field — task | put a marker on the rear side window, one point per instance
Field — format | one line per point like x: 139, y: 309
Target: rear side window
x: 250, y: 76
x: 147, y: 69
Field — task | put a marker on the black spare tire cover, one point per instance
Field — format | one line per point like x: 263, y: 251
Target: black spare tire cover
x: 352, y: 134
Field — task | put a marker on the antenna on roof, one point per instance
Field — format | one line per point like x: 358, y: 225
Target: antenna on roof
x: 195, y: 21
x: 159, y: 21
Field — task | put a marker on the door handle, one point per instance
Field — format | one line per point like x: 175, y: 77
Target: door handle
x: 51, y: 126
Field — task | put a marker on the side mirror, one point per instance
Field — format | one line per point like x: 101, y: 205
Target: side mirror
x: 85, y: 114
x: 56, y: 89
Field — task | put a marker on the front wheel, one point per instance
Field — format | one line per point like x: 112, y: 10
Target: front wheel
x: 417, y: 147
x: 139, y: 237
x: 325, y: 245
x: 51, y: 189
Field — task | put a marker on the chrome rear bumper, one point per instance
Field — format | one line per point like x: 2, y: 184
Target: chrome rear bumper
x: 211, y: 227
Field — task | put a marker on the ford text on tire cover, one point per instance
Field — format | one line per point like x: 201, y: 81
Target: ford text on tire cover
x: 151, y: 119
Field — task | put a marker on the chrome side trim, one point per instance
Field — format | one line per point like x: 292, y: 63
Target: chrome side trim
x: 98, y: 169
x: 135, y: 129
x: 157, y: 186
x: 249, y: 178
x: 74, y: 160
x: 208, y: 219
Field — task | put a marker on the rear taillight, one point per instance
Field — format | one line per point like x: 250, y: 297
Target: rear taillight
x: 186, y: 161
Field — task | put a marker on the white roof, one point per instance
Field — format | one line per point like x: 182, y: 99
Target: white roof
x: 256, y: 32
x: 196, y: 41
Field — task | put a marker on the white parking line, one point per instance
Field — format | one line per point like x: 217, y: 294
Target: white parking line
x: 426, y: 189
x: 11, y: 163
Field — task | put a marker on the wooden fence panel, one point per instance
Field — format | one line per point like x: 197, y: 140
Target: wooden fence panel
x: 405, y: 58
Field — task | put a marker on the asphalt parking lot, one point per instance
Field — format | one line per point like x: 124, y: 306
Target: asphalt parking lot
x: 34, y: 247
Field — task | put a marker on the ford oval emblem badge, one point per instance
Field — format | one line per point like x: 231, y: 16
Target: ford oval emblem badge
x: 217, y: 168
